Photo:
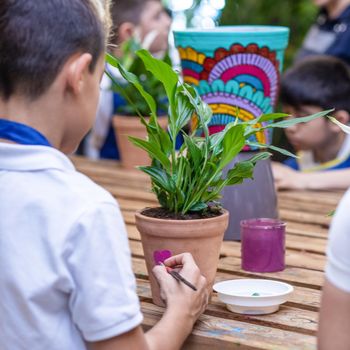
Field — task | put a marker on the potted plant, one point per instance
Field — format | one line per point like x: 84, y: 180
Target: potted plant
x: 131, y: 104
x: 188, y: 183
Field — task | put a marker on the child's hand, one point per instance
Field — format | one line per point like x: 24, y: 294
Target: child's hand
x: 288, y: 178
x: 177, y: 295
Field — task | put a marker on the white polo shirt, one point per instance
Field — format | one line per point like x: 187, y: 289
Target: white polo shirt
x: 338, y: 252
x: 65, y: 265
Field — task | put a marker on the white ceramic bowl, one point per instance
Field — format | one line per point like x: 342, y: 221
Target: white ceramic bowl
x: 253, y: 296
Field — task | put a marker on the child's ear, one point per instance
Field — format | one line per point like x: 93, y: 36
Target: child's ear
x: 125, y: 32
x: 342, y: 116
x: 77, y: 71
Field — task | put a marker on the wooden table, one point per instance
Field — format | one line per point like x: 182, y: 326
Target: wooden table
x: 294, y: 325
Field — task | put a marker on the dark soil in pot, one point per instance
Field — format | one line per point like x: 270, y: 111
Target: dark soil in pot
x: 162, y: 213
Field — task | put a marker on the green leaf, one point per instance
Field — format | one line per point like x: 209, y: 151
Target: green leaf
x: 244, y: 169
x: 233, y: 143
x: 131, y: 108
x: 180, y: 197
x: 268, y: 117
x: 331, y: 213
x: 162, y: 71
x: 162, y: 197
x: 274, y: 148
x: 153, y: 150
x: 194, y: 152
x: 283, y: 151
x: 132, y: 79
x: 199, y: 206
x: 184, y: 111
x: 158, y: 135
x: 165, y: 141
x: 159, y: 177
x: 239, y: 172
x: 202, y: 110
x: 235, y: 180
x: 287, y: 123
x: 216, y: 139
x: 294, y: 121
x: 260, y: 156
x: 342, y: 126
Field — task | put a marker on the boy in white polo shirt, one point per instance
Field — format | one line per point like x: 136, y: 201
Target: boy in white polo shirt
x: 66, y: 281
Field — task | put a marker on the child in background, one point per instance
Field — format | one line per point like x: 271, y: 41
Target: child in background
x: 312, y: 85
x: 330, y: 34
x: 66, y: 280
x: 147, y: 22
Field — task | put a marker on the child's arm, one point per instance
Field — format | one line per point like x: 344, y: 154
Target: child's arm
x: 288, y: 178
x: 183, y: 308
x: 334, y: 323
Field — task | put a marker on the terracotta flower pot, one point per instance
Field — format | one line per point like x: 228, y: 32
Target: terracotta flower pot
x: 124, y: 126
x: 202, y: 238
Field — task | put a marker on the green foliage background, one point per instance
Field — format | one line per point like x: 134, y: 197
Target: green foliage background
x: 298, y: 15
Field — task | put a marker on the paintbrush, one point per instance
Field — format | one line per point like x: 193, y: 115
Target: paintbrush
x: 178, y: 277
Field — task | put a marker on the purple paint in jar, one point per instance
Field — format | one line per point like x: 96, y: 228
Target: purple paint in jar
x: 263, y: 245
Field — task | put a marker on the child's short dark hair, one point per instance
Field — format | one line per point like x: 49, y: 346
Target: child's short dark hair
x: 38, y: 36
x: 322, y: 81
x: 126, y: 11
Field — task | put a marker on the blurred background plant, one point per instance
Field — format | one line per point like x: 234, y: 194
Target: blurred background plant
x: 134, y: 102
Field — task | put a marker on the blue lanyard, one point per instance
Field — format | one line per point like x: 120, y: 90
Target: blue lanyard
x: 21, y: 133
